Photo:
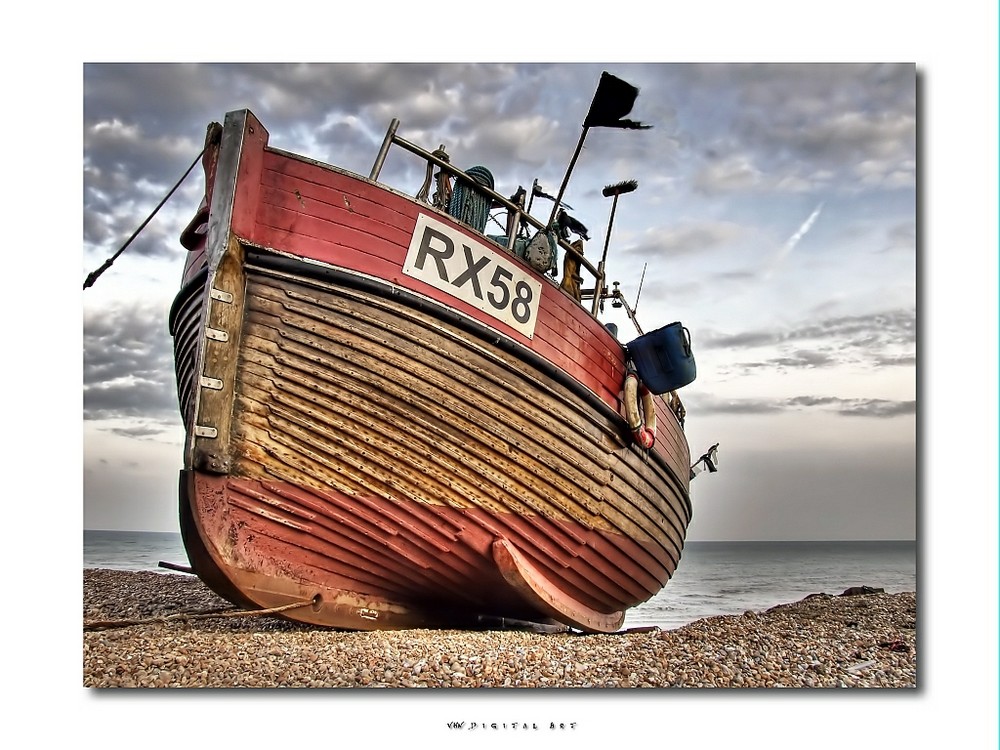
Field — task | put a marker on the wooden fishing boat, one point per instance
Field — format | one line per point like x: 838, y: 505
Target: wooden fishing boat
x: 394, y: 420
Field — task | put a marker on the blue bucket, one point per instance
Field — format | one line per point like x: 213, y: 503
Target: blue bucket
x: 663, y: 358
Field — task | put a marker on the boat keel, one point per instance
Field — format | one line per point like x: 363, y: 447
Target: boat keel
x: 532, y: 584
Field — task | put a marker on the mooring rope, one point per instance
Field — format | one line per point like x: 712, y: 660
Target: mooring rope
x: 107, y: 264
x: 207, y: 615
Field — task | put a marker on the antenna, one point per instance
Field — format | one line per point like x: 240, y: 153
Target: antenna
x: 641, y: 279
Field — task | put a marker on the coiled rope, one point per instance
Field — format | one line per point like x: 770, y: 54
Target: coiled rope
x: 207, y: 615
x: 467, y: 204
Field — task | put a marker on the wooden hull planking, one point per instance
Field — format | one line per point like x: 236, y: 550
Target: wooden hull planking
x: 363, y: 442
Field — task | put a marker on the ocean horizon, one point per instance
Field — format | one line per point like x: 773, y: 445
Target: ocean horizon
x: 713, y: 577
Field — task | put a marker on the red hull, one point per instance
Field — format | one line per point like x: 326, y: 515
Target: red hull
x: 365, y: 441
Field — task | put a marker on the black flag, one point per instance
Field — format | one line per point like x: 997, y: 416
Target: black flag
x: 613, y: 100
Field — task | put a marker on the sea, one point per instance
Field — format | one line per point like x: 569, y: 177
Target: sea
x: 713, y: 578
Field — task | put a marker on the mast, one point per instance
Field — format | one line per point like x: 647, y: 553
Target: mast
x: 612, y: 101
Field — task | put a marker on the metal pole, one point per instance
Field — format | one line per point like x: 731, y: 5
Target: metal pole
x: 598, y: 300
x: 617, y: 189
x: 565, y: 182
x: 607, y: 237
x: 383, y: 152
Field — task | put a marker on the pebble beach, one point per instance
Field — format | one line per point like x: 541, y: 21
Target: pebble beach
x: 158, y: 630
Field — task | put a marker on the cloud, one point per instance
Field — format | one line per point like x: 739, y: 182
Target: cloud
x: 877, y: 408
x: 877, y: 340
x: 145, y: 430
x: 734, y: 173
x: 705, y: 405
x: 685, y: 238
x: 901, y: 238
x: 802, y: 358
x: 128, y: 364
x: 799, y: 128
x: 874, y: 330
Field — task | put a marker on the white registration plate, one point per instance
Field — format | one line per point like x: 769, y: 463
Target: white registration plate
x: 473, y: 272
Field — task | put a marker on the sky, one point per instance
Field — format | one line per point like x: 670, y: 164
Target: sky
x: 777, y: 223
x: 776, y: 218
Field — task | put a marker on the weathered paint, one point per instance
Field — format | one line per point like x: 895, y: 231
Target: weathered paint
x: 372, y: 439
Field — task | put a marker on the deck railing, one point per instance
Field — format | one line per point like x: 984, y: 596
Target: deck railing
x: 514, y: 210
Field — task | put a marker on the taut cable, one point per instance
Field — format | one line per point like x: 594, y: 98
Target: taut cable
x: 107, y: 264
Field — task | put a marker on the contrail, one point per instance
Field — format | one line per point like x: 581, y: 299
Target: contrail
x: 793, y: 240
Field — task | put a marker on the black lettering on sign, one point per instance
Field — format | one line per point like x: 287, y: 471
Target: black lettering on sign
x: 521, y: 307
x: 440, y: 256
x: 500, y: 303
x: 482, y: 276
x: 471, y: 272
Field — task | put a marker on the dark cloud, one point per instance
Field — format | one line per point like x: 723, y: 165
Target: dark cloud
x: 684, y: 239
x: 807, y: 359
x: 889, y: 360
x: 902, y: 238
x: 872, y: 341
x: 108, y: 234
x: 113, y: 87
x: 127, y: 364
x: 797, y: 128
x: 705, y: 405
x: 737, y: 276
x: 133, y: 398
x: 877, y: 408
x: 708, y: 339
x: 892, y: 327
x: 134, y: 157
x: 785, y: 115
x: 800, y: 359
x: 145, y: 430
x: 871, y: 331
